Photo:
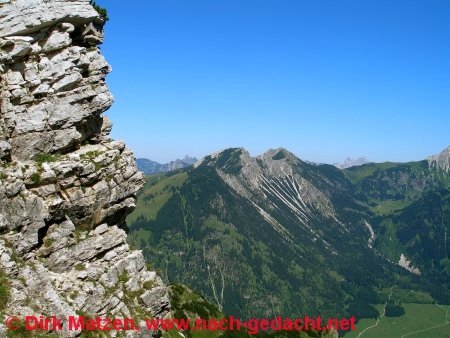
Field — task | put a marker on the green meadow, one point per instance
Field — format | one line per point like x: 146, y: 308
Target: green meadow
x: 156, y: 192
x: 419, y: 321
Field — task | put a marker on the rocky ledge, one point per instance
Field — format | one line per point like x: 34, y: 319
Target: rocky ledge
x: 65, y: 186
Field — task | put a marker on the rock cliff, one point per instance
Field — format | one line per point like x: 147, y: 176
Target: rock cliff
x: 441, y: 160
x: 65, y: 186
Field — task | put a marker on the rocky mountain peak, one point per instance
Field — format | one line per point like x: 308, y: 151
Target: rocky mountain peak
x: 188, y: 159
x: 277, y: 154
x: 276, y: 174
x: 222, y: 157
x: 350, y: 162
x: 241, y: 158
x: 65, y: 186
x: 150, y: 167
x: 441, y: 160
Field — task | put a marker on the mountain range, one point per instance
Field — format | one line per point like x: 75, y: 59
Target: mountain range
x: 273, y: 234
x: 150, y: 167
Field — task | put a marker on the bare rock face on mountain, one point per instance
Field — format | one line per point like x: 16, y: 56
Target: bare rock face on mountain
x: 441, y: 160
x: 65, y: 186
x: 350, y: 163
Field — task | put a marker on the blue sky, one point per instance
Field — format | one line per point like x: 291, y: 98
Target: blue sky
x: 325, y: 79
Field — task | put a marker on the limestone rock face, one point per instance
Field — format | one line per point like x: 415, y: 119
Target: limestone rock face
x: 439, y: 161
x: 65, y: 186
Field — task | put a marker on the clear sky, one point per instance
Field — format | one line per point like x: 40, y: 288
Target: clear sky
x: 325, y: 79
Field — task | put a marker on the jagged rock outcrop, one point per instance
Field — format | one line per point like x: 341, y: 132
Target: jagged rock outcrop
x: 439, y: 161
x: 65, y: 186
x: 350, y: 163
x: 406, y: 264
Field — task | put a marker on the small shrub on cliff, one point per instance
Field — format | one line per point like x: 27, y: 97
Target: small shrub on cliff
x: 80, y: 267
x: 42, y: 158
x: 3, y: 176
x: 36, y: 178
x: 90, y: 156
x: 48, y: 242
x: 102, y: 11
x: 123, y: 278
x: 150, y: 284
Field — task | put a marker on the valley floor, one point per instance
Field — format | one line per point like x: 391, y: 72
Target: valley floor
x: 419, y: 321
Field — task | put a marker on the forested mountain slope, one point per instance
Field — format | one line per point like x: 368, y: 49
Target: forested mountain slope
x: 276, y: 235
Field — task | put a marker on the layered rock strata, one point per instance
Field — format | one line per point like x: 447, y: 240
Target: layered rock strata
x: 65, y: 186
